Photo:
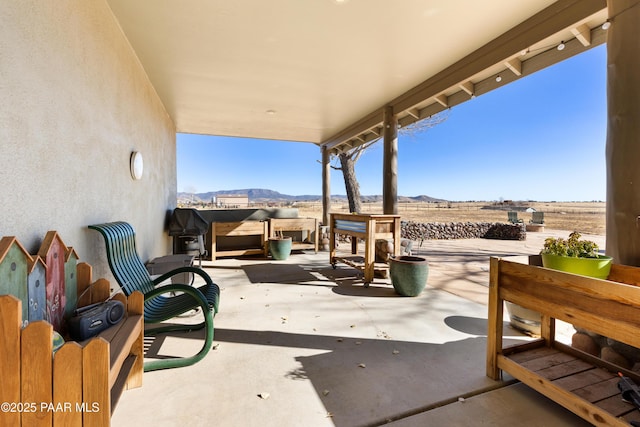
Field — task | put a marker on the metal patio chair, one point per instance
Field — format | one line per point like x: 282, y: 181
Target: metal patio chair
x: 163, y: 302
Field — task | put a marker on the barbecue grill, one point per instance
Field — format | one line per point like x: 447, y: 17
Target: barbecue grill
x: 188, y: 229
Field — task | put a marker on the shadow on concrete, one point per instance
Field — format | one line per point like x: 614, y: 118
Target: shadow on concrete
x: 274, y: 272
x: 345, y: 280
x: 478, y: 326
x: 367, y: 382
x: 373, y: 290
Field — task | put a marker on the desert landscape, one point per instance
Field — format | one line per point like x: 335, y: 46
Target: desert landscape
x: 585, y: 217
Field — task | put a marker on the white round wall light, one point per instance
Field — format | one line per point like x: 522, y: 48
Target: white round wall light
x: 137, y: 165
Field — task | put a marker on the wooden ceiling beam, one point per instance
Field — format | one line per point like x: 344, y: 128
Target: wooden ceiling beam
x: 468, y: 87
x: 442, y: 99
x: 583, y: 34
x: 556, y: 18
x: 530, y: 66
x: 515, y: 65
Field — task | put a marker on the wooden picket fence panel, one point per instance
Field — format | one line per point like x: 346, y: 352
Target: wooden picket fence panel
x: 77, y: 385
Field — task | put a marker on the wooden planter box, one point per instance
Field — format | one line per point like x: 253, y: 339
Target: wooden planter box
x: 582, y: 383
x: 239, y: 229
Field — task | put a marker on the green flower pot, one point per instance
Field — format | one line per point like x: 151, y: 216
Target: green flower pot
x: 280, y: 248
x: 591, y: 267
x: 408, y: 274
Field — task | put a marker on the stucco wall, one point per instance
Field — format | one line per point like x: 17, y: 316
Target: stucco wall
x: 75, y: 103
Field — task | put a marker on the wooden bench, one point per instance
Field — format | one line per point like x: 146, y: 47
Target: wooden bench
x: 584, y: 384
x: 81, y: 383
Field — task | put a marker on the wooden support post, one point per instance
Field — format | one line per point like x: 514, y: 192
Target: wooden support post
x: 390, y: 163
x: 494, y: 339
x: 623, y: 128
x: 326, y: 185
x: 135, y: 305
x: 369, y: 250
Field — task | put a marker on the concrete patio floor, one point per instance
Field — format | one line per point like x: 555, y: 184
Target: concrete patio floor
x: 298, y: 343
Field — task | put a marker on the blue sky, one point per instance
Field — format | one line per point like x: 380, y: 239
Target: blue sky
x: 540, y: 138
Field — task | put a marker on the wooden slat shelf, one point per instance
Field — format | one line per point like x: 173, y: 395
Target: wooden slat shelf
x: 358, y: 263
x: 565, y: 377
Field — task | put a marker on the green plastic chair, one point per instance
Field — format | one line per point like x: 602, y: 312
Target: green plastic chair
x: 537, y: 218
x: 513, y: 217
x: 164, y: 302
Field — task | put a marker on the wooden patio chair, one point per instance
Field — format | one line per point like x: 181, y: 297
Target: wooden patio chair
x: 513, y: 217
x: 163, y: 302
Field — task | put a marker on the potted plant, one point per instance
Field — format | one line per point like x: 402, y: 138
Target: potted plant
x: 582, y: 257
x: 571, y: 255
x: 280, y: 246
x: 576, y: 256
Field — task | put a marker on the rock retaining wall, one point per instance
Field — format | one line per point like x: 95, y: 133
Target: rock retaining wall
x: 462, y: 230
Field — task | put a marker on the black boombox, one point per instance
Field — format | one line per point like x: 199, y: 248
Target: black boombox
x: 89, y: 321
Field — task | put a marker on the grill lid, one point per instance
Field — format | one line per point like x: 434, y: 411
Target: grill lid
x: 186, y: 221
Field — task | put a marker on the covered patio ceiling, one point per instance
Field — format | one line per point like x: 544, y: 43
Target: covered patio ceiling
x: 322, y: 71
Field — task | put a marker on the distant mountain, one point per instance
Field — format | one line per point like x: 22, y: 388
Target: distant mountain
x: 423, y: 198
x: 261, y: 195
